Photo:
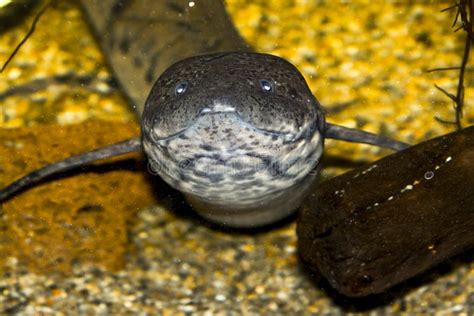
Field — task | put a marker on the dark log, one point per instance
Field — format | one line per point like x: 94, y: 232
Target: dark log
x: 374, y: 227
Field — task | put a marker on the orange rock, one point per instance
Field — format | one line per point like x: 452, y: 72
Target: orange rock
x: 81, y: 217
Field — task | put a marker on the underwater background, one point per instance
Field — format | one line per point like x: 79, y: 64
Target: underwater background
x: 93, y: 243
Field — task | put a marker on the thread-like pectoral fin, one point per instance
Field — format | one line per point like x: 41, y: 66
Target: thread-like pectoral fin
x: 116, y: 149
x: 357, y: 136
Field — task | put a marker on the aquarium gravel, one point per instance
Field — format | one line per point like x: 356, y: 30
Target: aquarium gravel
x: 368, y: 59
x: 180, y: 266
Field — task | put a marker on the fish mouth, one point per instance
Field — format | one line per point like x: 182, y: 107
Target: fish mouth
x: 224, y: 110
x: 225, y: 160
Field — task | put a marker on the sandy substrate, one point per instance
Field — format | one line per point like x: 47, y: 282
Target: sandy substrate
x: 369, y: 60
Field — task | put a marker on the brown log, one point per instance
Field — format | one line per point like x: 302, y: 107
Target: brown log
x: 374, y: 227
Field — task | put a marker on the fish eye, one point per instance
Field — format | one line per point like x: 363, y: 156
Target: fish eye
x: 266, y: 85
x: 180, y: 88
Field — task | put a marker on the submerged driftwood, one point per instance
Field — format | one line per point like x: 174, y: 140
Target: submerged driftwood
x: 374, y: 227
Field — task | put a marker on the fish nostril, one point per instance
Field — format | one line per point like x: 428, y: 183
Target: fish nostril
x: 218, y: 108
x: 204, y: 111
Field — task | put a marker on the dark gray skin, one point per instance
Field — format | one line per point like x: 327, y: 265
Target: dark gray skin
x: 142, y: 38
x: 239, y: 134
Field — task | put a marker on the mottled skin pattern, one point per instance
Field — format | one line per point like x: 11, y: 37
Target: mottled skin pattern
x: 240, y: 134
x: 233, y: 80
x: 142, y: 38
x: 244, y: 131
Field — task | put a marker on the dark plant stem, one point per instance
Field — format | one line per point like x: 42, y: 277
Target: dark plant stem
x: 464, y: 12
x: 23, y: 41
x: 466, y: 19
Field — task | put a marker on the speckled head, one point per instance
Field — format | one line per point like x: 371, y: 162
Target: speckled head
x: 237, y: 133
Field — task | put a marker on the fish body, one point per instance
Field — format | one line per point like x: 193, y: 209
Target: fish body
x: 239, y: 134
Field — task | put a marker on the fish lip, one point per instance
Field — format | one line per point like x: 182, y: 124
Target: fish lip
x: 216, y: 110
